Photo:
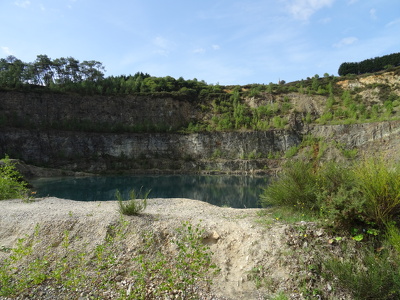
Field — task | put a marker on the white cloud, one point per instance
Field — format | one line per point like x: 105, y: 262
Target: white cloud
x: 22, y: 4
x: 6, y: 50
x: 304, y: 9
x: 215, y: 47
x: 325, y: 20
x: 199, y: 50
x: 372, y: 13
x: 394, y: 22
x: 345, y: 42
x: 163, y: 45
x: 352, y: 2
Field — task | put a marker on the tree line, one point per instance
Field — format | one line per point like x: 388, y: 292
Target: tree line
x: 370, y: 65
x: 46, y: 72
x: 67, y: 74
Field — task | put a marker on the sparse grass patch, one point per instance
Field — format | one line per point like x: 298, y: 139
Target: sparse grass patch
x: 292, y: 151
x: 367, y: 274
x: 133, y: 206
x: 71, y: 271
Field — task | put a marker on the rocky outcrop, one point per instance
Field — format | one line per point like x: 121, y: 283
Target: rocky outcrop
x: 48, y: 109
x: 103, y: 145
x: 243, y: 152
x: 359, y: 135
x: 96, y: 152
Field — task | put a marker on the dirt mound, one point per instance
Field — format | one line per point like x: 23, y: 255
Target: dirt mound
x: 245, y: 251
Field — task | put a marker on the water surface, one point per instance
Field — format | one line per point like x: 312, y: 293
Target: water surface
x: 220, y: 190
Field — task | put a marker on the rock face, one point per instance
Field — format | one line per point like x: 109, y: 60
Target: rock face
x: 87, y: 144
x: 96, y: 152
x: 163, y: 152
x: 359, y: 135
x: 41, y: 109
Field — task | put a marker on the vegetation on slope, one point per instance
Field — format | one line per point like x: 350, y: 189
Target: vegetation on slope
x: 220, y: 108
x: 370, y: 65
x: 12, y: 185
x: 360, y: 204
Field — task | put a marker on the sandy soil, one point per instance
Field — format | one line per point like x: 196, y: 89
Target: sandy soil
x: 238, y: 240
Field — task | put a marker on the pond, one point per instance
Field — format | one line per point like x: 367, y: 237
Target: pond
x: 220, y: 190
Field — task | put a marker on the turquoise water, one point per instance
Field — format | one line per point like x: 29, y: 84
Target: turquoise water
x: 220, y: 190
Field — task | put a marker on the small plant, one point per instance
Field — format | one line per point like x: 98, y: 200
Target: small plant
x: 132, y: 206
x: 367, y: 275
x: 216, y: 154
x: 158, y: 274
x: 292, y: 151
x: 280, y: 296
x: 294, y: 188
x: 11, y: 183
x: 379, y: 183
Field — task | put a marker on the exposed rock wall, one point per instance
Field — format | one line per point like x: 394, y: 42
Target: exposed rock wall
x: 224, y: 151
x: 131, y: 110
x: 60, y: 148
x: 359, y: 135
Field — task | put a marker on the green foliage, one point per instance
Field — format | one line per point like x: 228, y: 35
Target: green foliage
x: 12, y: 184
x: 295, y: 187
x: 369, y: 65
x: 366, y: 275
x: 292, y: 151
x: 393, y: 238
x: 325, y: 118
x: 280, y: 296
x: 366, y: 193
x: 73, y: 271
x: 132, y: 206
x: 279, y: 122
x: 182, y: 273
x: 379, y: 183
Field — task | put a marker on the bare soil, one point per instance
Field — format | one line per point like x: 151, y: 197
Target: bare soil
x: 245, y: 244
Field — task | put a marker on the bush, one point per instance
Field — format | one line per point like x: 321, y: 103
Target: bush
x: 11, y: 183
x: 366, y: 275
x: 367, y: 193
x: 379, y: 183
x: 132, y: 206
x: 295, y: 187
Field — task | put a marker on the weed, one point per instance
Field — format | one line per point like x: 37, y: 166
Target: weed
x: 11, y: 183
x: 216, y: 154
x: 132, y: 206
x: 280, y: 296
x: 366, y: 275
x: 182, y: 273
x: 379, y: 182
x: 292, y: 151
x: 295, y: 187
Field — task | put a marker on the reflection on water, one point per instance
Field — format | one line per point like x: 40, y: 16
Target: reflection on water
x: 220, y: 190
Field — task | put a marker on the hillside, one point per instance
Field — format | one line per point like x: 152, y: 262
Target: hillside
x: 242, y: 129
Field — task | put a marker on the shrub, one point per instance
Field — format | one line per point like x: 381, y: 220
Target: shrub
x: 132, y: 206
x: 295, y: 187
x: 366, y: 193
x: 366, y: 275
x: 11, y: 183
x: 379, y: 183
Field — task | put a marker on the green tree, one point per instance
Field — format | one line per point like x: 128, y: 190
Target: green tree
x: 11, y: 182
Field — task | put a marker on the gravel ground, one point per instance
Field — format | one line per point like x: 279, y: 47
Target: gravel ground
x: 239, y: 242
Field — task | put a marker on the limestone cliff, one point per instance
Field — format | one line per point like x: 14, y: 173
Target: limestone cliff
x: 29, y: 130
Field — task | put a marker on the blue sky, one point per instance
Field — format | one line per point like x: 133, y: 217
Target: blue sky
x: 219, y: 41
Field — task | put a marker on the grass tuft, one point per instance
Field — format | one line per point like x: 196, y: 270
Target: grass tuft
x: 132, y: 206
